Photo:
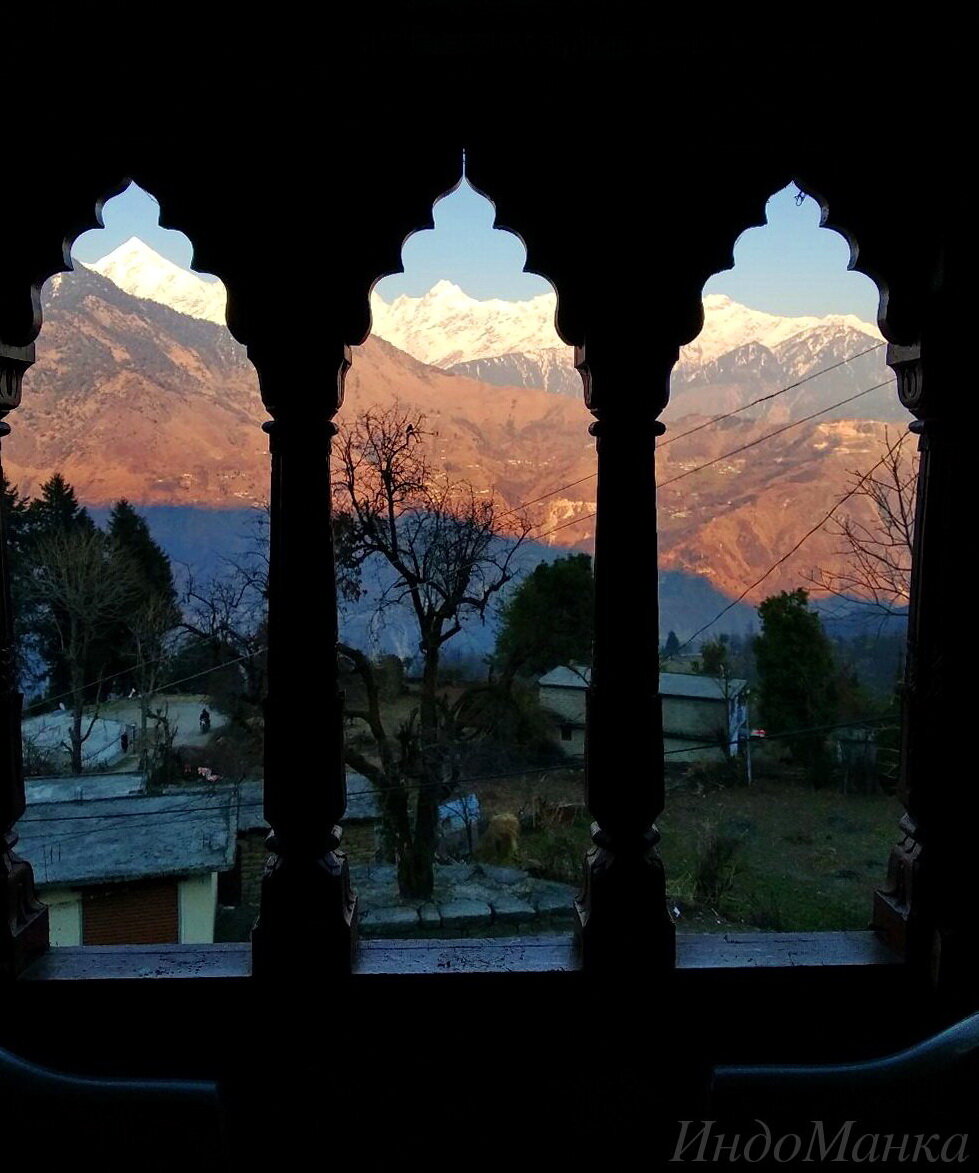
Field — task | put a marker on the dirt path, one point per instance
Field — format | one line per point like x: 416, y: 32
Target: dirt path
x: 183, y: 711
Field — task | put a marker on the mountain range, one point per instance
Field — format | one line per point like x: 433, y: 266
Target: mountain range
x: 140, y: 391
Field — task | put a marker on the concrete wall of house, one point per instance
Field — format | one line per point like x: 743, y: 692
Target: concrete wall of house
x: 694, y: 717
x: 64, y: 915
x: 682, y: 749
x: 197, y: 903
x: 574, y: 744
x: 692, y: 720
x: 565, y: 702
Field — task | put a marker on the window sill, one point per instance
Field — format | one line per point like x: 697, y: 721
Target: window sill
x: 503, y: 955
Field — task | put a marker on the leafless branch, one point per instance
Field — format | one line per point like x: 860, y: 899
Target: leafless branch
x: 876, y: 540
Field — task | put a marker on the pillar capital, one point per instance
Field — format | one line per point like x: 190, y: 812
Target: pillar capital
x: 617, y: 386
x: 297, y: 428
x: 905, y: 362
x: 14, y: 361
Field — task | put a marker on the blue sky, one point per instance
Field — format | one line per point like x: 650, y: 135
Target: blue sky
x: 791, y: 266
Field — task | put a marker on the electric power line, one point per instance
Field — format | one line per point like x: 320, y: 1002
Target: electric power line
x: 805, y: 537
x: 411, y: 787
x: 726, y: 455
x: 709, y: 423
x: 573, y: 521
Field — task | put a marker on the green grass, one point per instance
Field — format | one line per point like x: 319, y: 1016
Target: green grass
x: 774, y: 856
x: 805, y: 860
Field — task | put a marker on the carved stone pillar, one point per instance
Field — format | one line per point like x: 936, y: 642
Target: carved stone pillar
x: 927, y: 908
x: 24, y: 932
x: 624, y: 925
x: 306, y: 925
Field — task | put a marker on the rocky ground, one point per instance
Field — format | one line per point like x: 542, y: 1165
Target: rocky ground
x: 470, y: 899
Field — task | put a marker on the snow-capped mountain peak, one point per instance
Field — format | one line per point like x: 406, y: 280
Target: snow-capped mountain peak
x: 140, y: 271
x: 446, y: 325
x: 728, y: 325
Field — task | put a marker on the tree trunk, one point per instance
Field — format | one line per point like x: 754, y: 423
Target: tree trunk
x: 416, y: 867
x: 76, y: 742
x: 77, y: 712
x: 144, y: 731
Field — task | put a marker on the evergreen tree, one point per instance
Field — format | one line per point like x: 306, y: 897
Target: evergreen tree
x: 131, y: 535
x: 549, y: 620
x: 672, y: 646
x: 51, y: 518
x: 132, y: 651
x: 14, y: 512
x: 14, y: 521
x: 714, y: 657
x: 797, y: 678
x: 57, y: 510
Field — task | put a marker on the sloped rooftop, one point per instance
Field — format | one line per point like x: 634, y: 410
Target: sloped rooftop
x: 679, y: 684
x: 130, y: 838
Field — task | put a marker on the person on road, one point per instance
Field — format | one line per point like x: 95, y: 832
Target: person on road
x: 205, y: 721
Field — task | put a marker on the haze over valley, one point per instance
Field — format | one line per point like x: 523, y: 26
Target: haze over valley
x: 139, y: 391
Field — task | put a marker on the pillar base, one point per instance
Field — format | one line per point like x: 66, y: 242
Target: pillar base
x: 25, y: 928
x: 624, y: 926
x: 307, y: 923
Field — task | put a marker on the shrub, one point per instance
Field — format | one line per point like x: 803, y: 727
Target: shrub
x: 716, y: 865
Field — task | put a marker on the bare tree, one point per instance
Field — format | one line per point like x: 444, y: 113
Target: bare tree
x: 151, y: 626
x: 227, y: 617
x: 87, y: 586
x: 877, y: 552
x: 451, y: 550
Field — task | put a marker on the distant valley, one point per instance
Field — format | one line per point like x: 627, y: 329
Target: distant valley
x: 132, y: 397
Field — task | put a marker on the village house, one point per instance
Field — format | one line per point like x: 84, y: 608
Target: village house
x: 118, y: 866
x: 705, y: 718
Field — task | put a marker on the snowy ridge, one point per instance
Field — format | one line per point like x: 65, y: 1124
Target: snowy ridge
x: 446, y: 326
x: 141, y: 272
x: 728, y: 326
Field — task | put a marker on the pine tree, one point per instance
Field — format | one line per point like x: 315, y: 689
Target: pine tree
x: 672, y: 646
x: 134, y: 647
x: 14, y: 523
x: 714, y: 657
x: 53, y: 516
x: 57, y: 510
x: 131, y: 535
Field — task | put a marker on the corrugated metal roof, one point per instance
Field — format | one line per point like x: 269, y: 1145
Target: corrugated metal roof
x: 361, y: 803
x: 78, y: 787
x: 100, y: 840
x: 679, y: 684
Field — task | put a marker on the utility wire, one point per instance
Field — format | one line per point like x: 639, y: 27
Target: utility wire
x: 768, y: 435
x: 733, y: 452
x: 40, y: 705
x: 805, y: 537
x: 709, y: 423
x: 573, y: 521
x: 144, y: 664
x: 765, y: 398
x: 410, y: 787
